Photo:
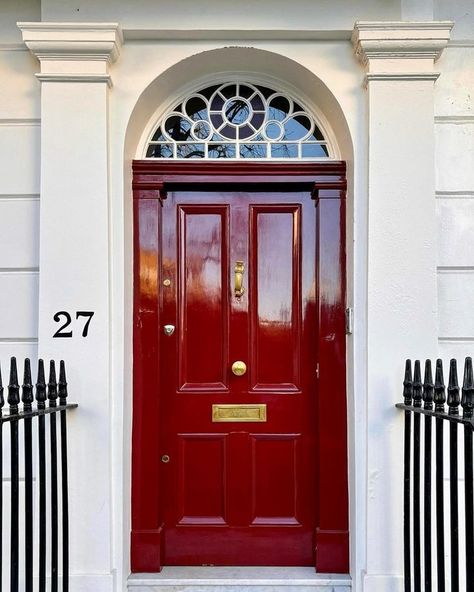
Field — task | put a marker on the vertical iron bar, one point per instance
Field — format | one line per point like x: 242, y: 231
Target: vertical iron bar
x: 417, y: 398
x: 453, y: 405
x: 439, y: 399
x: 27, y: 399
x: 468, y: 413
x: 13, y: 400
x: 428, y: 389
x: 52, y: 395
x: 41, y: 398
x: 62, y: 388
x: 2, y: 402
x: 407, y: 398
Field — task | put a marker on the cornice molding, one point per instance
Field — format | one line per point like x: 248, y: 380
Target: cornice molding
x: 77, y: 42
x: 398, y: 40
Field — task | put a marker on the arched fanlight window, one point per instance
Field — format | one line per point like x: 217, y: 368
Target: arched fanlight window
x: 237, y: 120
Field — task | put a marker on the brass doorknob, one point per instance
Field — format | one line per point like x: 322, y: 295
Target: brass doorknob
x: 239, y: 368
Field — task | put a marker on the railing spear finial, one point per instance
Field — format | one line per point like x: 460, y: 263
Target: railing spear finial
x: 428, y: 386
x: 62, y: 383
x: 417, y: 385
x: 467, y: 402
x: 27, y: 387
x: 52, y: 384
x: 439, y: 388
x: 453, y: 388
x: 13, y: 387
x: 408, y: 384
x: 41, y: 384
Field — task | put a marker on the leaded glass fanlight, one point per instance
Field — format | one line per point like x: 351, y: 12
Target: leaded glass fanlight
x: 237, y: 120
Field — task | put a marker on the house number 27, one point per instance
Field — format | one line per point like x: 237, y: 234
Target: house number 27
x: 64, y: 317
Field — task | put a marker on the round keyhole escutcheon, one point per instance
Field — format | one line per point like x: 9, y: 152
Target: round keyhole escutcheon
x: 165, y: 458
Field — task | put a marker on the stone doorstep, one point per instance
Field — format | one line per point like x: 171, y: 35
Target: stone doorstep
x: 239, y: 579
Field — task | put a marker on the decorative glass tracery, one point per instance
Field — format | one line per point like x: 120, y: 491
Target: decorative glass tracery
x: 237, y: 120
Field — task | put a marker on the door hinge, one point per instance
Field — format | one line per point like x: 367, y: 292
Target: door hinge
x: 317, y: 370
x: 349, y: 320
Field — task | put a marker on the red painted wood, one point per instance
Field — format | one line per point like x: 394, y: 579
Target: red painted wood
x: 332, y: 538
x: 231, y: 490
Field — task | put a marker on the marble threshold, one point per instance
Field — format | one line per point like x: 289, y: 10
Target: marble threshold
x: 239, y: 579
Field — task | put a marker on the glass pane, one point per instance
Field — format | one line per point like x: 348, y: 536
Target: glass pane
x: 253, y: 150
x: 279, y: 108
x: 178, y: 128
x: 297, y: 128
x: 245, y: 91
x: 221, y: 150
x: 190, y: 150
x: 237, y: 111
x: 201, y: 130
x: 158, y: 135
x: 228, y: 132
x: 196, y: 108
x: 314, y: 150
x: 229, y: 91
x: 160, y: 151
x: 284, y: 150
x: 245, y: 132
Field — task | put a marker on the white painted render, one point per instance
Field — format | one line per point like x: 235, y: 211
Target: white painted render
x: 66, y: 145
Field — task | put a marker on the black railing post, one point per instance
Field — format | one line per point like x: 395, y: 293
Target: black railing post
x: 468, y: 413
x: 417, y: 398
x: 62, y: 390
x: 27, y: 400
x: 52, y: 396
x: 439, y: 400
x: 428, y: 390
x: 407, y: 397
x: 453, y: 405
x: 40, y: 400
x: 13, y: 400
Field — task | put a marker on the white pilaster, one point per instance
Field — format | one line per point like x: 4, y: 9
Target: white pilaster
x: 402, y: 301
x: 75, y: 267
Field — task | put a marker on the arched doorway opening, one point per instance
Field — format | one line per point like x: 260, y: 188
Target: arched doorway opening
x: 301, y: 184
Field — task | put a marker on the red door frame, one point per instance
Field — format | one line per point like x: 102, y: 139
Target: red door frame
x: 326, y: 184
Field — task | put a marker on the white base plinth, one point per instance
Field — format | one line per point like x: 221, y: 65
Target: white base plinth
x: 239, y: 579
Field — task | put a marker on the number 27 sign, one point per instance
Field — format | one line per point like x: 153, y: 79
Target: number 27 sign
x: 65, y: 318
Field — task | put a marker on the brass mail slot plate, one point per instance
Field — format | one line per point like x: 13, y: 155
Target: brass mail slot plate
x: 247, y: 413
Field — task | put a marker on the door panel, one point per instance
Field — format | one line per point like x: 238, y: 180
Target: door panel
x: 274, y: 468
x: 275, y: 305
x: 202, y: 478
x: 202, y: 260
x: 232, y: 487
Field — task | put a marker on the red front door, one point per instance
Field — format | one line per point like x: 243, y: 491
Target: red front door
x: 238, y: 276
x: 247, y: 469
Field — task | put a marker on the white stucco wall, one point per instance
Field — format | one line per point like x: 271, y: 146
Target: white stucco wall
x: 151, y: 68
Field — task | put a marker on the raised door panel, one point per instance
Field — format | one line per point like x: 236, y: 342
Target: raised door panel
x: 275, y: 303
x: 203, y: 295
x: 275, y: 479
x: 202, y: 479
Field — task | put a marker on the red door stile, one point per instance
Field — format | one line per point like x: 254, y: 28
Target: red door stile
x: 208, y: 492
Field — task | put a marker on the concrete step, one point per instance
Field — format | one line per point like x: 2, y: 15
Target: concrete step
x: 239, y: 579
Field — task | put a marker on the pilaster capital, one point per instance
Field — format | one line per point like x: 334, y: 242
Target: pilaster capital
x: 73, y: 51
x: 396, y: 48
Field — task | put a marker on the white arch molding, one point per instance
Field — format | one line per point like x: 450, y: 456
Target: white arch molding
x: 167, y: 89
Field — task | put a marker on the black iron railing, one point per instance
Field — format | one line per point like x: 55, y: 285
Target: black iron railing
x: 427, y: 399
x: 23, y: 416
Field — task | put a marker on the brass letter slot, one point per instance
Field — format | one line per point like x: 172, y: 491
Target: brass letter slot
x: 239, y: 413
